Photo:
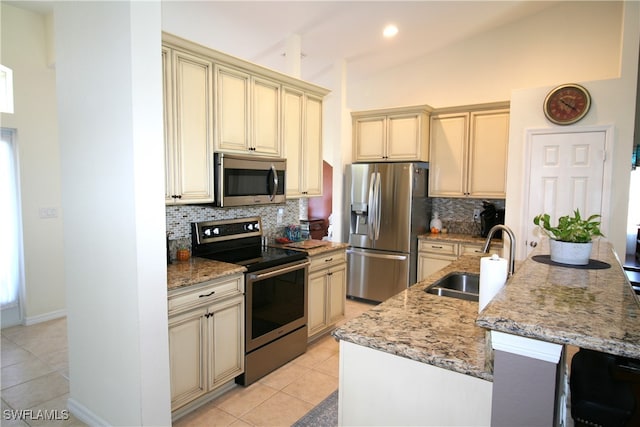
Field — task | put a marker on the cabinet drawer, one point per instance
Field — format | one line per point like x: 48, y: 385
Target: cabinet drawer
x: 328, y: 259
x: 435, y: 247
x: 473, y: 249
x: 205, y: 293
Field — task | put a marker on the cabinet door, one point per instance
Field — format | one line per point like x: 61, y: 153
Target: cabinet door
x: 429, y: 264
x: 447, y: 164
x: 232, y: 93
x: 403, y: 137
x: 489, y: 138
x: 337, y: 289
x: 226, y: 341
x: 292, y: 131
x: 316, y: 310
x: 187, y: 355
x: 312, y: 147
x: 192, y: 146
x: 370, y: 139
x: 169, y: 137
x: 266, y: 117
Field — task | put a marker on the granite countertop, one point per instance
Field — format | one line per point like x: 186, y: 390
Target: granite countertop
x: 197, y: 270
x: 440, y: 331
x: 589, y: 308
x: 459, y: 238
x: 314, y: 247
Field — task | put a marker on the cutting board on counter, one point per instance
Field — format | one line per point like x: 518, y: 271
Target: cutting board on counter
x: 307, y: 244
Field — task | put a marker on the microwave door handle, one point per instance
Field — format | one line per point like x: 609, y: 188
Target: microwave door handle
x: 274, y: 181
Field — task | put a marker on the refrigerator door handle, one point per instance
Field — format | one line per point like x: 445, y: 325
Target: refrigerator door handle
x: 376, y: 255
x: 371, y: 212
x: 378, y: 204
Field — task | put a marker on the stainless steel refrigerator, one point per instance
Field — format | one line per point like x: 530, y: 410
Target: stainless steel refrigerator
x: 386, y: 209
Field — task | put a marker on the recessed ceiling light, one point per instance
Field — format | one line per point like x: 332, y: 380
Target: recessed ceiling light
x: 390, y: 31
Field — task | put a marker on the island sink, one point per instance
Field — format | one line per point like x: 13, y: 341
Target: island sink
x: 457, y: 285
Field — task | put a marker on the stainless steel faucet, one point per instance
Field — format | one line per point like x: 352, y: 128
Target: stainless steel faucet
x: 512, y: 245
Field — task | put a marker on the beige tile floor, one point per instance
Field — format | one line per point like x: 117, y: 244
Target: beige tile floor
x: 285, y: 395
x: 35, y: 377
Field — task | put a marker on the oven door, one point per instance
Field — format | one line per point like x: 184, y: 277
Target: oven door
x: 243, y: 181
x: 276, y: 303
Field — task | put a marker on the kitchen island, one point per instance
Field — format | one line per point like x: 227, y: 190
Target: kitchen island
x: 414, y: 358
x: 585, y: 307
x: 544, y: 307
x: 555, y: 305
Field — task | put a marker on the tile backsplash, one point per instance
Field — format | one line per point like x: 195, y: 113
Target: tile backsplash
x: 179, y: 218
x: 457, y: 214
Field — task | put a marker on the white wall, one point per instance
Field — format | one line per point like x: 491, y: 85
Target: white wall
x: 23, y: 49
x: 613, y: 103
x: 111, y: 141
x: 570, y: 41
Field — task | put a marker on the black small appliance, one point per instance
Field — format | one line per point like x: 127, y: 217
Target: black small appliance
x: 489, y: 217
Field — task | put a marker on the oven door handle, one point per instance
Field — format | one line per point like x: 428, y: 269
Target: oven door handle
x: 277, y: 272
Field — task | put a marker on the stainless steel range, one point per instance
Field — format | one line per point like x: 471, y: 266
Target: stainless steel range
x: 275, y: 291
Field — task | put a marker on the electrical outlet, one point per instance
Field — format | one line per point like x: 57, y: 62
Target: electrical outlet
x: 476, y: 214
x: 279, y: 216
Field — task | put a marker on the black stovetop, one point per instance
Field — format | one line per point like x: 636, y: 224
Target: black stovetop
x: 229, y: 244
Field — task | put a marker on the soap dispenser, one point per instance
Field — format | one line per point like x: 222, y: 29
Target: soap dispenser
x: 436, y: 225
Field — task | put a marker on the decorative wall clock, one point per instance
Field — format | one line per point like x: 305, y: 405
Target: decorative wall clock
x: 566, y: 104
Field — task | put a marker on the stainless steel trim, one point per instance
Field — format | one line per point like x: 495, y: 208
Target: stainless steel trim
x: 275, y: 182
x: 377, y: 255
x: 371, y: 213
x: 276, y: 271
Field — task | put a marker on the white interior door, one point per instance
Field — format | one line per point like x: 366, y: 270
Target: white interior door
x: 566, y: 172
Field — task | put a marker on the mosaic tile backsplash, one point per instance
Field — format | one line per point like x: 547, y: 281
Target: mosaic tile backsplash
x: 179, y: 218
x: 456, y: 215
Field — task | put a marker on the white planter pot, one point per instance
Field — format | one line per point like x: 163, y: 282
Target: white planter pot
x: 570, y: 253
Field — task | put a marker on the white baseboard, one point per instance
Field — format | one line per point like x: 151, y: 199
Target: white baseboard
x: 82, y: 413
x: 32, y: 320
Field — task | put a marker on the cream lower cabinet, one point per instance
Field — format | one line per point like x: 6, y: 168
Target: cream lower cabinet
x: 327, y: 291
x: 434, y: 255
x: 206, y: 339
x: 468, y: 154
x: 188, y: 127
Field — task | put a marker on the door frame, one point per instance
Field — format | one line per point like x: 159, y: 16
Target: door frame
x: 606, y: 178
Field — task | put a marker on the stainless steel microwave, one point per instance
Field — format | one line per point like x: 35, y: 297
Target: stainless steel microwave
x: 247, y: 181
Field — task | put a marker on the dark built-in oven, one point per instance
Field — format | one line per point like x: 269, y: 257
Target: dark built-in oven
x: 276, y: 318
x: 247, y: 181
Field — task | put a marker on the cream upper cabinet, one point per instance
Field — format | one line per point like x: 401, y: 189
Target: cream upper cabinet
x: 217, y: 102
x: 391, y: 135
x: 247, y: 111
x: 302, y: 136
x: 468, y: 154
x: 188, y: 130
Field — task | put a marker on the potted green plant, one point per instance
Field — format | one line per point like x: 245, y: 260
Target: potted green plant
x: 571, y: 240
